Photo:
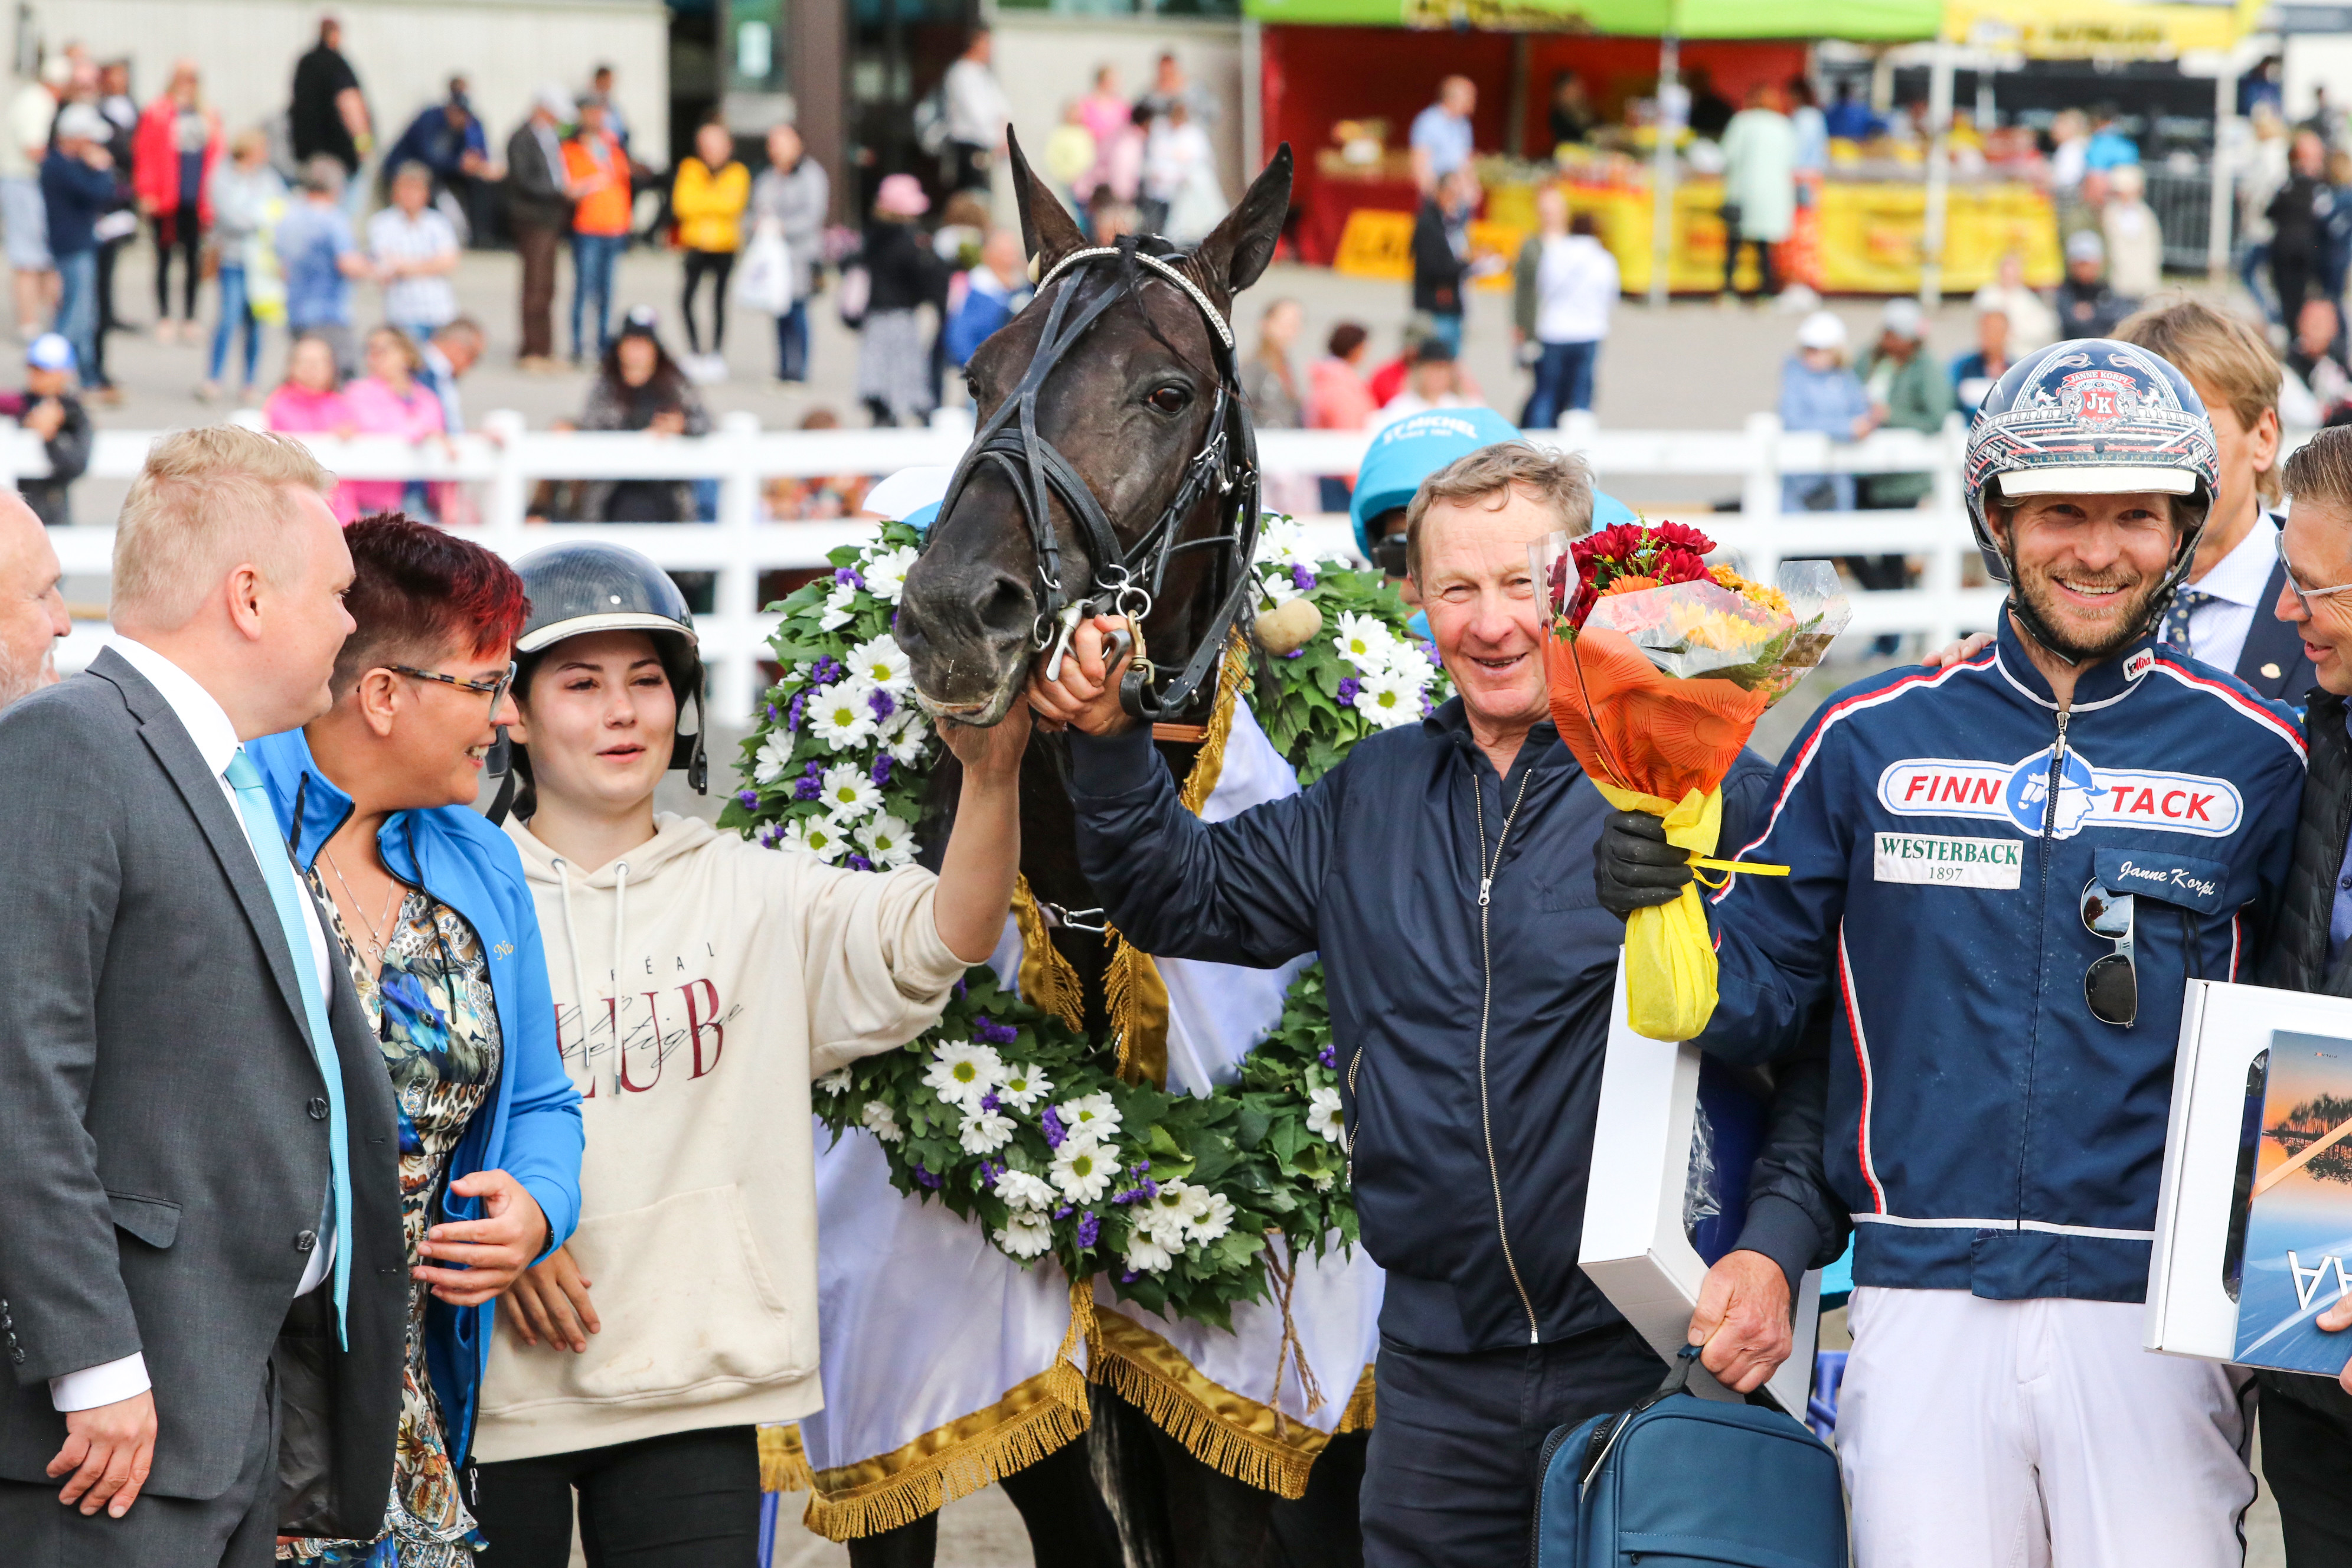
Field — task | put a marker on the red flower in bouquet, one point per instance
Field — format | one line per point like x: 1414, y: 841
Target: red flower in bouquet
x: 1658, y: 554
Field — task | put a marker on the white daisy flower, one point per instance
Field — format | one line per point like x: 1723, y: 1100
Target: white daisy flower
x: 1325, y: 1182
x: 984, y: 1132
x: 1082, y: 1169
x: 1023, y: 1086
x: 1167, y: 1215
x: 1407, y: 662
x: 1389, y: 701
x: 1323, y: 1114
x: 907, y: 737
x: 1144, y: 1253
x: 1093, y: 1117
x: 840, y: 608
x: 848, y: 793
x: 774, y: 756
x: 1365, y: 641
x: 835, y: 1082
x: 885, y: 571
x: 1278, y: 588
x: 884, y: 663
x: 1025, y: 1234
x: 882, y: 1121
x: 888, y: 842
x: 961, y: 1073
x: 816, y: 836
x: 1019, y: 1190
x: 840, y: 716
x: 1215, y: 1219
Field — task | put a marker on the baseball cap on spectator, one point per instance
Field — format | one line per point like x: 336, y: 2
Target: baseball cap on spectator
x: 556, y: 101
x: 80, y: 123
x: 2082, y: 245
x: 57, y: 71
x: 1407, y: 452
x: 901, y: 196
x: 1821, y: 330
x: 1904, y: 318
x: 50, y: 351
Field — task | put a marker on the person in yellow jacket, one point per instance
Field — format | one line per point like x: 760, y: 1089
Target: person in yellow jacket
x: 712, y: 189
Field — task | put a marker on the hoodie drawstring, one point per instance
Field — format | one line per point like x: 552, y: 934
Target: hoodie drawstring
x: 608, y: 1073
x: 620, y: 954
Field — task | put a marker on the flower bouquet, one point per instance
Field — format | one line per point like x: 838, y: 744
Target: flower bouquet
x: 1660, y: 665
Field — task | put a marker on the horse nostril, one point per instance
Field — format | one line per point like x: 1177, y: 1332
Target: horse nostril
x: 1004, y: 605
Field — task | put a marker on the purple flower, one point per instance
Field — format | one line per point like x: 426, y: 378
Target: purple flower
x: 880, y: 702
x: 961, y: 988
x: 1295, y: 653
x: 1054, y: 1130
x: 826, y: 670
x: 848, y: 576
x: 988, y: 1101
x: 1127, y: 1277
x: 807, y: 789
x: 989, y: 1171
x: 1090, y: 1227
x: 1349, y: 686
x: 1329, y: 1056
x: 1062, y: 1212
x: 771, y: 713
x: 989, y: 1032
x: 1150, y: 1189
x: 860, y: 863
x: 792, y: 714
x: 880, y: 772
x: 750, y: 797
x: 768, y: 835
x: 1302, y: 579
x: 923, y: 1177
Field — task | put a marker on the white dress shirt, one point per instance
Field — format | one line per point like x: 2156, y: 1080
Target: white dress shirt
x: 215, y: 741
x: 2217, y: 629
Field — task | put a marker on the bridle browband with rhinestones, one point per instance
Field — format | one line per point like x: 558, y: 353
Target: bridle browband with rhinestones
x: 1127, y: 578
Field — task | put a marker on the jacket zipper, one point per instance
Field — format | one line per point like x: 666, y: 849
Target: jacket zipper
x: 1486, y: 869
x: 2049, y: 843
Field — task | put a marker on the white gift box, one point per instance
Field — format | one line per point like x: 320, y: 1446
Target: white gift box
x: 2239, y: 1178
x: 1637, y: 1243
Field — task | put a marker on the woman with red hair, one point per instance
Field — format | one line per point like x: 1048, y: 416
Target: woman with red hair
x: 429, y: 910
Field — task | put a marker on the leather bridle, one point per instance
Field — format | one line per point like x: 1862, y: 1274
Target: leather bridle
x: 1127, y: 578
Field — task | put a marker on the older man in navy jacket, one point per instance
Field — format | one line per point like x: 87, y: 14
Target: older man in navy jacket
x: 1443, y: 872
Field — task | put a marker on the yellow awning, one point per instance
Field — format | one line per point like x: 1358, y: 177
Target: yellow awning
x: 2101, y: 29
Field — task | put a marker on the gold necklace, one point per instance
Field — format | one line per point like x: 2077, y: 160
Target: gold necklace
x: 375, y: 933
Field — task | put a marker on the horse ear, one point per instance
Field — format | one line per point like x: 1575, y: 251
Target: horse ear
x: 1047, y: 231
x: 1237, y: 250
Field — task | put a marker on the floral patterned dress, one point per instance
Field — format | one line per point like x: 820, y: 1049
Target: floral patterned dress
x: 438, y: 1026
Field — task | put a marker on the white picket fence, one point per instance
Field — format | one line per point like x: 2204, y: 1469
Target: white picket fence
x: 501, y: 465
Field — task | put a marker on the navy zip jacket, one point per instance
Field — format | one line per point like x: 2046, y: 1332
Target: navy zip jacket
x: 1984, y: 1131
x: 529, y: 1127
x: 1377, y: 865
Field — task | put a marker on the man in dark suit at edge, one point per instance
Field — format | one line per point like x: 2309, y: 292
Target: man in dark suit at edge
x: 200, y: 1148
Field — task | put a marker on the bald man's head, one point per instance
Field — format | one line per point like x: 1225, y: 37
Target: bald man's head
x: 31, y: 609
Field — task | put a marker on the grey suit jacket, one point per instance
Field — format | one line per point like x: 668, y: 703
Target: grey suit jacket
x: 164, y: 1146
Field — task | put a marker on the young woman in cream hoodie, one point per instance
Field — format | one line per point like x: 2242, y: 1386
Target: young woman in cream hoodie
x: 700, y: 983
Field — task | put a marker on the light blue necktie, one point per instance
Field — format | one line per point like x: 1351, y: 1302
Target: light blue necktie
x: 278, y: 870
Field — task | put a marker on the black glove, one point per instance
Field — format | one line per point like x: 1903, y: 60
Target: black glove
x: 1634, y: 867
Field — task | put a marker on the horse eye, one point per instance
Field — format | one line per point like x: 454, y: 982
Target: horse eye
x: 1171, y: 399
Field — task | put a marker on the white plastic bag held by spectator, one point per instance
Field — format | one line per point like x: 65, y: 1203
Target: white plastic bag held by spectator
x: 764, y: 280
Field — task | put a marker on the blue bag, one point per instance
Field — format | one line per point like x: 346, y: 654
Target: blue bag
x: 1689, y: 1483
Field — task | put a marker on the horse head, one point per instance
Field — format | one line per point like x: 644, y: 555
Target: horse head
x: 1108, y: 419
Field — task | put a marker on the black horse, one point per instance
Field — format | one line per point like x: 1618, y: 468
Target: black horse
x: 1112, y: 469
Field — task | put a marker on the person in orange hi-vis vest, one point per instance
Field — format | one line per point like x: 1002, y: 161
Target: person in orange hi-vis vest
x: 599, y: 172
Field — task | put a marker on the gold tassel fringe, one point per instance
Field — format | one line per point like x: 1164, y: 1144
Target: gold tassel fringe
x: 1136, y: 1000
x: 1234, y: 1436
x: 1048, y: 982
x: 1363, y: 1405
x: 783, y: 1464
x: 1038, y: 1416
x: 1209, y: 764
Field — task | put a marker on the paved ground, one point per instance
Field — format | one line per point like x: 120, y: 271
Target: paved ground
x: 1694, y: 366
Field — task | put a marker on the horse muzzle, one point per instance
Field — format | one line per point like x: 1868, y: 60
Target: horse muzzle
x: 968, y: 632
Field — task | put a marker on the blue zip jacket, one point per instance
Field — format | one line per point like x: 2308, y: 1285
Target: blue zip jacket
x: 532, y: 1130
x: 1377, y: 865
x: 1986, y: 1131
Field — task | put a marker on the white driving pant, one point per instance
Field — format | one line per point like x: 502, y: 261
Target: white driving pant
x: 1977, y: 1433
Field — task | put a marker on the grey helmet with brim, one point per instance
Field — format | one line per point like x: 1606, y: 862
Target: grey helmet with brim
x: 577, y: 589
x: 2091, y: 417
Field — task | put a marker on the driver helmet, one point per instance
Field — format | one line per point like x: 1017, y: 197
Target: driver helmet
x: 576, y: 589
x: 2091, y: 417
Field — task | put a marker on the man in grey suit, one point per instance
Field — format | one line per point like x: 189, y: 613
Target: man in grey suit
x: 202, y: 1242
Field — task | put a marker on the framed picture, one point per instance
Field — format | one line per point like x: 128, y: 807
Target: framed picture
x: 1677, y: 1137
x: 2253, y: 1225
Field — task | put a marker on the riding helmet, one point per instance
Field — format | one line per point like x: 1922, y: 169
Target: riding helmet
x: 576, y: 589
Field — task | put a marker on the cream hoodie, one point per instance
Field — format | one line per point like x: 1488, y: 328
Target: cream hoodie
x: 741, y: 974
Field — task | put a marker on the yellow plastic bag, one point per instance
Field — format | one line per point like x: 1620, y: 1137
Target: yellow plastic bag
x: 1669, y: 957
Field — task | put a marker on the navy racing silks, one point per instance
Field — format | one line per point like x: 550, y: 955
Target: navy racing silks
x: 1986, y: 1131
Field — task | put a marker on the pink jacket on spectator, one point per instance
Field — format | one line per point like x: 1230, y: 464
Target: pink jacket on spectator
x: 299, y: 411
x: 377, y: 410
x: 1336, y: 397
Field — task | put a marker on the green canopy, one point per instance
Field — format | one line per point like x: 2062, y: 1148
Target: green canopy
x: 1877, y: 21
